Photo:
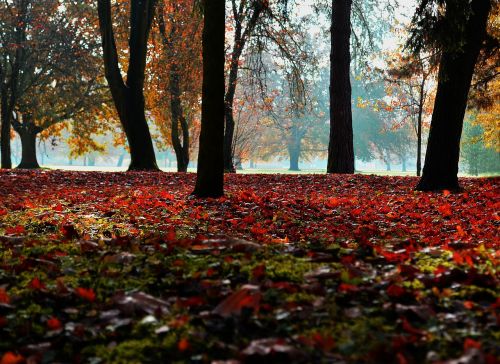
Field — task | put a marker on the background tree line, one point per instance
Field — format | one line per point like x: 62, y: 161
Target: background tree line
x: 149, y: 74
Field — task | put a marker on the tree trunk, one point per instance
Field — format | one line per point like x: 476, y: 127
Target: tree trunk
x: 28, y: 136
x: 210, y: 178
x: 403, y: 162
x: 240, y: 38
x: 129, y: 97
x: 454, y: 80
x: 5, y: 148
x: 419, y: 129
x: 341, y: 147
x: 120, y: 160
x: 136, y: 128
x: 294, y: 154
x: 238, y: 164
x: 229, y: 101
x: 181, y: 148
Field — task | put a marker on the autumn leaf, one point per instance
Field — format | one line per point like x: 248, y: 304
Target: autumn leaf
x: 12, y: 358
x: 85, y: 293
x: 54, y: 323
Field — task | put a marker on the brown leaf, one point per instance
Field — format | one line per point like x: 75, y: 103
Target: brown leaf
x: 248, y: 296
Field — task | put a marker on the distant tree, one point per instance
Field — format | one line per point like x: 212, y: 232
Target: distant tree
x: 341, y: 147
x: 260, y: 27
x: 457, y: 28
x: 210, y: 177
x: 58, y: 74
x: 475, y: 155
x: 408, y: 85
x: 128, y: 95
x: 175, y: 86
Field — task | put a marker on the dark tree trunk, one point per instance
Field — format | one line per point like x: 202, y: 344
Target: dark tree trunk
x: 6, y: 115
x: 129, y: 97
x: 210, y: 178
x: 181, y: 148
x: 28, y: 134
x: 341, y: 147
x: 419, y: 129
x: 455, y: 75
x: 239, y: 43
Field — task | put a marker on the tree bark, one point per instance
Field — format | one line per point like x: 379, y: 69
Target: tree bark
x: 210, y: 178
x: 341, y: 147
x: 294, y: 148
x: 6, y: 115
x: 129, y: 97
x: 419, y: 126
x: 28, y: 134
x: 454, y: 79
x: 178, y: 119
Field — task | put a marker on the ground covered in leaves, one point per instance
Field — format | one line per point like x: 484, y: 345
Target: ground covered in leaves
x: 129, y: 268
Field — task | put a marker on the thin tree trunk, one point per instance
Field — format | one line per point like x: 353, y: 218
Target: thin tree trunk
x: 240, y: 38
x: 210, y: 178
x: 419, y: 129
x: 403, y: 163
x: 454, y: 80
x: 341, y: 147
x: 6, y: 115
x: 229, y: 99
x: 181, y: 148
x: 120, y: 160
x: 177, y: 118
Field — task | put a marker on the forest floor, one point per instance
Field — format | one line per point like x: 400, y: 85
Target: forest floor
x: 129, y: 268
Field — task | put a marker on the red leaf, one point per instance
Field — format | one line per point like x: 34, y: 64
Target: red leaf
x: 54, y: 324
x: 36, y: 284
x: 445, y: 210
x: 248, y: 296
x: 345, y: 287
x: 18, y: 230
x: 471, y: 344
x: 183, y: 345
x: 395, y: 291
x: 12, y: 358
x: 85, y: 293
x: 410, y: 329
x: 4, y: 297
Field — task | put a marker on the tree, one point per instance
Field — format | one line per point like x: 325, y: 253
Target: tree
x: 408, y: 79
x: 210, y: 178
x: 341, y: 147
x: 475, y: 155
x: 128, y: 95
x: 57, y: 74
x: 177, y: 63
x: 459, y: 33
x: 258, y: 26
